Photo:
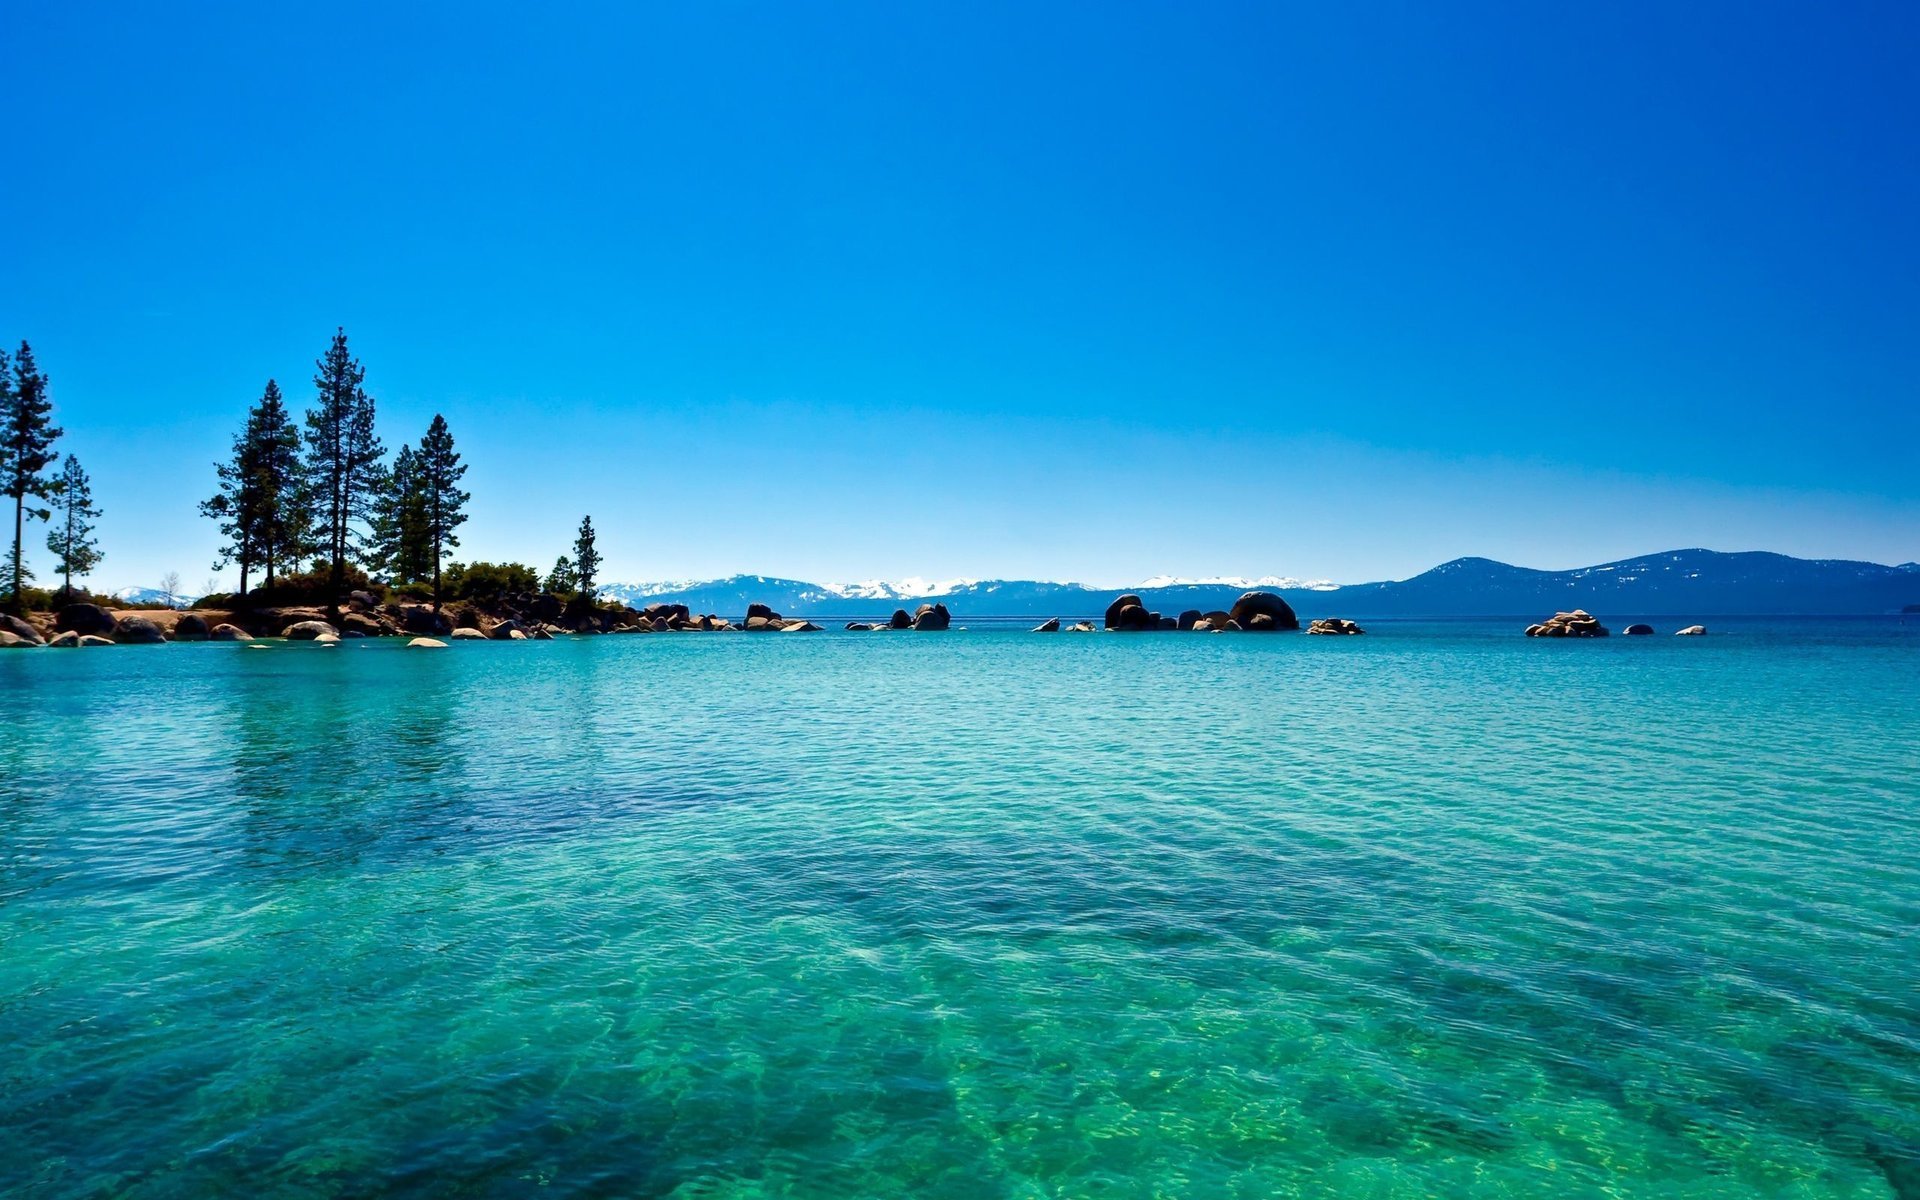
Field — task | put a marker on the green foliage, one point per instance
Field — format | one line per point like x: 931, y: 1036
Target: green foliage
x: 264, y: 505
x: 27, y: 435
x: 586, y: 561
x: 445, y: 503
x: 562, y: 580
x: 399, y: 546
x: 343, y: 455
x: 488, y: 581
x: 71, y: 538
x: 313, y: 585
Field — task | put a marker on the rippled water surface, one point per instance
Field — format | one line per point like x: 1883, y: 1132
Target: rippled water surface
x: 1434, y: 912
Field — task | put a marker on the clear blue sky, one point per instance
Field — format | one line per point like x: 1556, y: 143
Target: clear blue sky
x: 1069, y: 291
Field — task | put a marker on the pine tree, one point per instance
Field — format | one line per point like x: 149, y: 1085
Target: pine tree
x: 27, y: 434
x: 561, y: 579
x: 71, y: 538
x: 262, y: 505
x: 586, y: 562
x: 285, y: 516
x: 343, y: 456
x: 399, y: 544
x: 446, y: 504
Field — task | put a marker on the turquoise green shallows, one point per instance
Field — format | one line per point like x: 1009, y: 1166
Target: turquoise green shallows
x: 1435, y: 912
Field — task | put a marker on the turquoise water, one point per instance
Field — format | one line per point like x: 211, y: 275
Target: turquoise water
x: 1440, y: 911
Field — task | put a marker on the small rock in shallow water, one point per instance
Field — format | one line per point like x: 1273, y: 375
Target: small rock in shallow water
x: 1691, y: 631
x: 426, y: 643
x: 1051, y: 625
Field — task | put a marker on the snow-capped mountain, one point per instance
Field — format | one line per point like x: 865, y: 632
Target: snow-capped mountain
x: 1703, y: 582
x: 153, y: 597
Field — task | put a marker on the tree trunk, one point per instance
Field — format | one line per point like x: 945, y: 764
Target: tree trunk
x: 19, y: 525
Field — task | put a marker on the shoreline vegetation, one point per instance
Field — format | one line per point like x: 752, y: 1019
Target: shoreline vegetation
x: 333, y: 539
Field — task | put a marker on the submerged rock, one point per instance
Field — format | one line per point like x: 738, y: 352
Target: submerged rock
x: 1691, y: 631
x: 93, y: 639
x: 1050, y: 625
x: 308, y: 631
x: 64, y: 641
x: 800, y: 627
x: 1082, y: 627
x: 1638, y: 630
x: 9, y: 640
x: 464, y: 634
x: 426, y: 643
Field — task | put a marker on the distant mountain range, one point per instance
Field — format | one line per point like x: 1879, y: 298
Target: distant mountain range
x: 1679, y: 582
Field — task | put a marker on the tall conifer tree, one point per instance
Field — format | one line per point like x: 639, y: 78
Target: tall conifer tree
x: 263, y: 504
x: 27, y: 434
x: 71, y: 538
x: 586, y: 562
x: 343, y: 456
x: 446, y: 504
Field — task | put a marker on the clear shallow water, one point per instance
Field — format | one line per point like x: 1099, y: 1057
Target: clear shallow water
x: 1435, y: 912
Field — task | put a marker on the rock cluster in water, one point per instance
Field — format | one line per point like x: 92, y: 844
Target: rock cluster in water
x: 1334, y: 626
x: 1254, y: 612
x: 1579, y: 623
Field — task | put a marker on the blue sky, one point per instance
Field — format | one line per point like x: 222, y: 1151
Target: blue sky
x: 1069, y: 291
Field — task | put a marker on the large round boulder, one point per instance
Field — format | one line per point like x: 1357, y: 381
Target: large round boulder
x: 1639, y: 630
x: 229, y: 633
x: 900, y: 620
x: 1119, y: 606
x: 308, y: 631
x: 9, y: 640
x: 1253, y: 605
x: 418, y: 618
x: 933, y: 617
x: 138, y: 631
x: 20, y: 628
x: 1189, y: 618
x: 191, y: 628
x: 84, y: 619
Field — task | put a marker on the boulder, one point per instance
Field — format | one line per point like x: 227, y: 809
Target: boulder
x: 1166, y: 624
x: 191, y: 628
x: 932, y: 617
x: 20, y: 628
x: 761, y: 611
x: 1638, y: 630
x: 463, y: 634
x: 1050, y: 625
x: 84, y: 619
x: 1131, y: 618
x: 860, y: 625
x: 9, y: 640
x: 363, y: 601
x: 900, y: 620
x: 355, y: 624
x: 65, y: 640
x: 1691, y: 631
x: 93, y: 639
x: 418, y: 618
x: 229, y: 633
x: 138, y: 631
x: 1220, y: 620
x: 327, y: 639
x: 518, y: 635
x: 504, y: 631
x: 543, y: 634
x: 1334, y: 626
x: 800, y: 627
x: 309, y: 631
x: 426, y: 643
x: 1119, y: 606
x: 755, y: 623
x: 1081, y: 627
x: 1253, y: 605
x: 1189, y: 618
x: 1579, y: 623
x: 659, y: 625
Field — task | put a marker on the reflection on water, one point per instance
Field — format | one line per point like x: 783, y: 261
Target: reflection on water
x: 1434, y: 912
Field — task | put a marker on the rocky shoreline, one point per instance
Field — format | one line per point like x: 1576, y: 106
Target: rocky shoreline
x: 542, y: 616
